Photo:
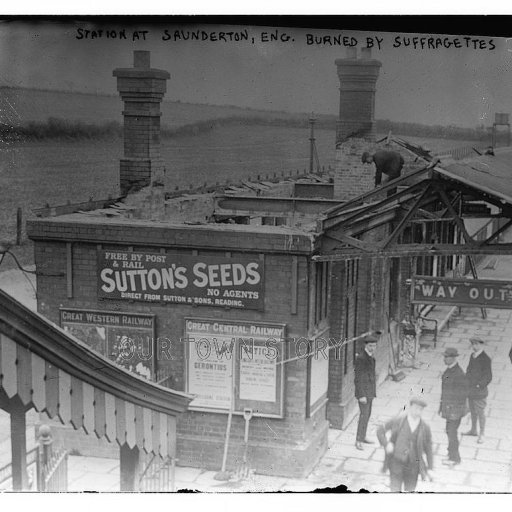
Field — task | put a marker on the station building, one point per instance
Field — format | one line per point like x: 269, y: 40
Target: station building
x: 238, y: 295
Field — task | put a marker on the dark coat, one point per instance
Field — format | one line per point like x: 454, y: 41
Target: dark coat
x: 389, y: 163
x: 479, y: 375
x: 454, y: 393
x: 364, y: 376
x: 423, y: 447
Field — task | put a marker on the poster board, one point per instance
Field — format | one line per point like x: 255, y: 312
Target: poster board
x: 227, y: 358
x: 234, y: 282
x: 128, y: 339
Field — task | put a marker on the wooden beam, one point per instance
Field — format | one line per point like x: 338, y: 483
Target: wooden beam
x: 18, y: 447
x: 454, y: 214
x: 294, y: 283
x: 373, y: 222
x: 403, y: 222
x: 406, y: 250
x: 484, y: 196
x: 497, y: 233
x: 354, y: 242
x: 395, y: 198
x: 379, y: 190
x: 129, y: 468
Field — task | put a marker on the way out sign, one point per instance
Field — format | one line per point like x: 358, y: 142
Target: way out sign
x: 461, y: 292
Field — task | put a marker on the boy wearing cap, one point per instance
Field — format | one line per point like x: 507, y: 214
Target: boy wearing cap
x: 479, y: 375
x: 407, y: 439
x: 454, y: 394
x: 365, y: 388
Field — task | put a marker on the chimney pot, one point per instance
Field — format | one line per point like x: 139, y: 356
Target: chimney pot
x: 141, y: 59
x: 352, y: 52
x: 366, y: 53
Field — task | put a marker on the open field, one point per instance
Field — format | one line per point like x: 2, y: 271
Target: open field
x: 54, y: 172
x: 20, y: 106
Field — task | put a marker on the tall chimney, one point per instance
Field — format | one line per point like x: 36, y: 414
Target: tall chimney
x: 142, y: 90
x: 357, y: 95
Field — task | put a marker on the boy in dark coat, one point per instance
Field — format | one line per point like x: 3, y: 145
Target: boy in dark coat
x: 407, y: 439
x: 479, y: 375
x: 365, y: 388
x: 454, y: 394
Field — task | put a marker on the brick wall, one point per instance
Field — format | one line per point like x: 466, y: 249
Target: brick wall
x: 353, y: 178
x: 141, y: 89
x: 289, y: 446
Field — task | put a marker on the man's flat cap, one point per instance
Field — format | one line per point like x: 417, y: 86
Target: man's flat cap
x: 371, y: 339
x: 418, y: 401
x: 451, y: 352
x: 476, y: 339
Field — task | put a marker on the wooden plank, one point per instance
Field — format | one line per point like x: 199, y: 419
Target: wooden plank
x: 164, y: 447
x: 69, y: 269
x: 148, y: 434
x: 294, y: 283
x: 120, y: 421
x: 99, y: 413
x: 110, y: 417
x: 88, y: 395
x: 18, y: 448
x: 155, y: 420
x: 64, y: 397
x: 77, y: 403
x: 9, y: 370
x: 38, y: 382
x: 52, y: 389
x: 131, y: 439
x: 139, y: 427
x: 171, y: 436
x: 24, y: 375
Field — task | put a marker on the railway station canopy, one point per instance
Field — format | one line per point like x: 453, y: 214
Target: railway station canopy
x: 431, y: 211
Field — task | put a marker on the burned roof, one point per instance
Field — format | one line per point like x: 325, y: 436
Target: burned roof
x: 491, y: 174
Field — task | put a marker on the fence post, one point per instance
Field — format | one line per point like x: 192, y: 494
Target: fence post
x: 19, y: 225
x: 44, y: 455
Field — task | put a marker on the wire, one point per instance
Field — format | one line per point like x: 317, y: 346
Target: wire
x: 18, y: 263
x: 25, y: 271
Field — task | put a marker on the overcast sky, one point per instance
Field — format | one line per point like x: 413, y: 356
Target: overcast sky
x: 463, y: 86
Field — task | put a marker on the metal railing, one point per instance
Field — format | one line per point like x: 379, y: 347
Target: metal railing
x: 158, y: 475
x: 53, y: 474
x: 6, y: 470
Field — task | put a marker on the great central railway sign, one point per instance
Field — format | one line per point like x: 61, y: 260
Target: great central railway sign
x: 461, y: 292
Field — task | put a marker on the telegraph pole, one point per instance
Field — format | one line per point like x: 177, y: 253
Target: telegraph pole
x: 312, y: 145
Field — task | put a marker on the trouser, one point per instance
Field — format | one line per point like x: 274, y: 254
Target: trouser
x: 365, y: 410
x: 403, y: 474
x: 453, y: 439
x: 477, y: 408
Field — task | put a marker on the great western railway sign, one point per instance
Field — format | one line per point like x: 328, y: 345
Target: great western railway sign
x: 461, y: 292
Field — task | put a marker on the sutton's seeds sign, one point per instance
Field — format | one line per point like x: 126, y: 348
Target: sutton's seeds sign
x: 462, y: 292
x: 196, y: 280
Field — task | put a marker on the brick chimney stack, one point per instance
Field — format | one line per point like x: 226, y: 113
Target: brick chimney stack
x: 142, y: 90
x: 357, y: 95
x: 355, y: 129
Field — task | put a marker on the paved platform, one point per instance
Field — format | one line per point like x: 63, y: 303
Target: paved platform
x: 485, y: 467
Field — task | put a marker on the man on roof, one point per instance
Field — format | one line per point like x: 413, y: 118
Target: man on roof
x: 386, y: 162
